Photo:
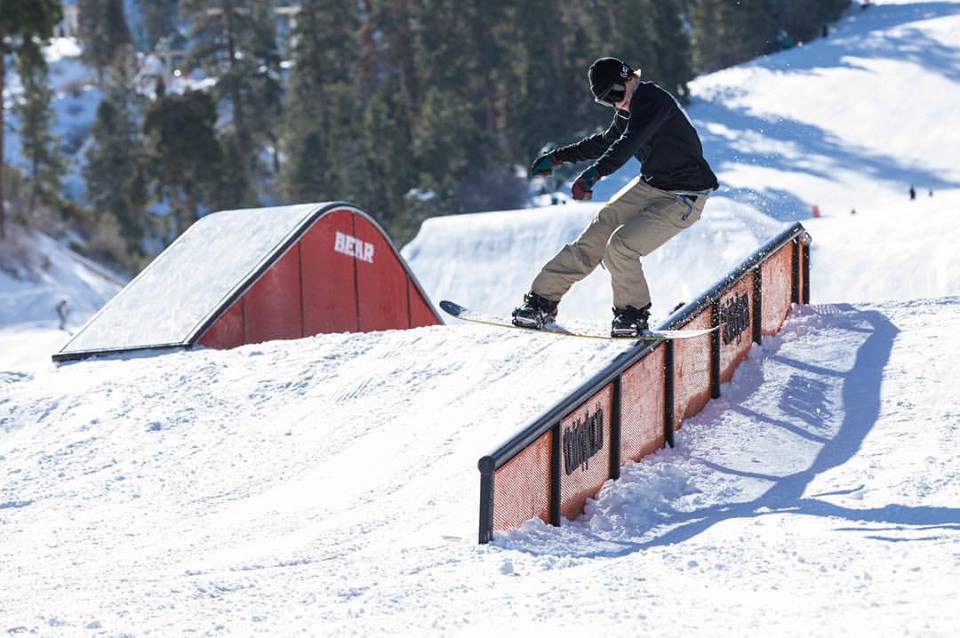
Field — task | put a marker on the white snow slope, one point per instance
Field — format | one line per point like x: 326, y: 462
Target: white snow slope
x: 327, y: 486
x: 29, y: 323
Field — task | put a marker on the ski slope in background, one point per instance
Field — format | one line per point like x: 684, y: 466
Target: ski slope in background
x: 846, y: 123
x: 327, y: 486
x: 486, y: 261
x: 29, y: 322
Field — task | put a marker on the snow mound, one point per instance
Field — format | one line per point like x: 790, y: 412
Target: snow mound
x: 487, y: 261
x: 330, y: 480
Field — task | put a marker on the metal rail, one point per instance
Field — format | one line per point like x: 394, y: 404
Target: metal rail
x: 552, y: 418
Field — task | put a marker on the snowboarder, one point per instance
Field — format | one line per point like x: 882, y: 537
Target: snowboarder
x: 666, y: 198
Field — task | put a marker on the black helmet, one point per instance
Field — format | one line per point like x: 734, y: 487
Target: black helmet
x: 608, y: 79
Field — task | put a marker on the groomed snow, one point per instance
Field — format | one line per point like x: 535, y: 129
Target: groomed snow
x: 328, y: 486
x: 334, y: 491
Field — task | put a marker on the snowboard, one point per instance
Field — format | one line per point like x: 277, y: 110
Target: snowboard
x: 473, y: 316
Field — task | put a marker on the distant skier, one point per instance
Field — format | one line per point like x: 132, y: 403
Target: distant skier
x: 666, y: 198
x: 913, y: 193
x: 63, y: 312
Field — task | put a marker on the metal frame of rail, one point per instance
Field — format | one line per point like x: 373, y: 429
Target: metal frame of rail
x: 551, y: 420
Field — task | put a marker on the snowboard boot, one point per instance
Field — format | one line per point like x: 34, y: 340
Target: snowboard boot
x: 630, y: 321
x: 535, y: 312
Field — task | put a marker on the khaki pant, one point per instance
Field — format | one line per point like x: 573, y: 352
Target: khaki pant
x: 635, y: 222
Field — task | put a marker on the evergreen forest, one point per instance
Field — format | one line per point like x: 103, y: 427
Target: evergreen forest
x: 408, y: 108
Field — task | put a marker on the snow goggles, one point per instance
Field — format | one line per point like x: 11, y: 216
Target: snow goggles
x: 612, y: 95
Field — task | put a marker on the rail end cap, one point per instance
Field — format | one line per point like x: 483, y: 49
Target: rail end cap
x: 487, y: 464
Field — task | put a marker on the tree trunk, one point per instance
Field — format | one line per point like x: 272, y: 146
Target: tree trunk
x: 239, y: 125
x: 402, y: 48
x: 3, y: 215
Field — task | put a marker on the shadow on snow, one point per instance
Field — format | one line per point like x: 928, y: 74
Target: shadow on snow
x: 860, y: 393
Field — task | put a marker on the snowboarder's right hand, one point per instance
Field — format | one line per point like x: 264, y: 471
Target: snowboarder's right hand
x: 583, y: 186
x: 543, y: 165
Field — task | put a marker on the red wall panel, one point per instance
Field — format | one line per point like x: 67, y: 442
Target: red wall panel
x: 421, y: 313
x: 736, y: 330
x: 272, y: 305
x: 521, y: 487
x: 642, y: 394
x: 329, y: 277
x: 342, y: 275
x: 776, y: 279
x: 582, y: 480
x: 381, y: 281
x: 227, y: 331
x: 692, y: 370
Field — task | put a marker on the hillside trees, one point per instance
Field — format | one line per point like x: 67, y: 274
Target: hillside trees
x: 25, y: 25
x: 408, y: 107
x: 115, y: 171
x: 39, y: 146
x: 235, y: 42
x: 159, y: 19
x: 804, y: 20
x: 184, y: 155
x: 103, y: 32
x: 727, y: 33
x: 321, y: 103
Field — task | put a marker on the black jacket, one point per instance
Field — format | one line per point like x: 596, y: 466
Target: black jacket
x: 658, y: 133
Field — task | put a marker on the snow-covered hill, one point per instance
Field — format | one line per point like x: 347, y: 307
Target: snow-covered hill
x: 488, y: 260
x: 327, y: 486
x: 846, y: 122
x: 29, y: 295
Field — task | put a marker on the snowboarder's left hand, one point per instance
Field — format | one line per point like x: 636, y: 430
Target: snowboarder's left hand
x: 583, y: 186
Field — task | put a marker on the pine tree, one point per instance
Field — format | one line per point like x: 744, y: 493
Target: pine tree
x: 233, y: 188
x: 321, y: 98
x: 114, y: 172
x: 383, y: 137
x: 103, y: 32
x: 674, y: 63
x: 458, y: 133
x: 159, y: 19
x: 40, y: 148
x: 265, y: 100
x: 541, y: 98
x: 394, y: 21
x: 728, y: 33
x: 185, y: 157
x: 25, y: 25
x: 235, y: 42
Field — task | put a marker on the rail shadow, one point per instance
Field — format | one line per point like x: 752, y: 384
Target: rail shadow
x: 860, y: 392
